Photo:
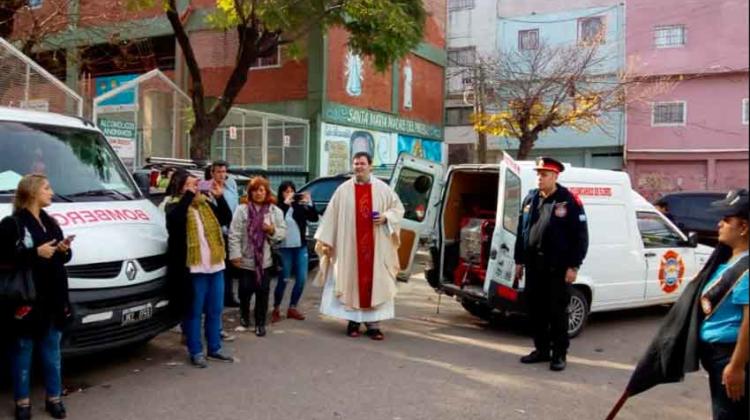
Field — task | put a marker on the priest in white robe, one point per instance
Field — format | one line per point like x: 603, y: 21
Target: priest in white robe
x: 358, y: 240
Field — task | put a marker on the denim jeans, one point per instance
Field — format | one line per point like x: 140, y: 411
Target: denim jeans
x: 49, y: 347
x: 295, y: 260
x: 208, y: 299
x: 714, y: 358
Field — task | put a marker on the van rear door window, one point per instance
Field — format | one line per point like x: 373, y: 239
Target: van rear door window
x: 512, y: 202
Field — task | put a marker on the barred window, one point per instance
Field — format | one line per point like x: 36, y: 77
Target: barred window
x: 591, y: 30
x: 462, y: 57
x: 528, y: 40
x: 668, y: 113
x: 460, y: 5
x: 273, y: 60
x: 458, y: 116
x: 673, y: 36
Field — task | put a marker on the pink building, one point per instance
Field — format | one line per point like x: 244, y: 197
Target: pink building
x: 694, y: 135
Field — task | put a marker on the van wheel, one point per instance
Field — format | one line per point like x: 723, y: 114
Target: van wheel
x: 578, y: 312
x: 478, y: 309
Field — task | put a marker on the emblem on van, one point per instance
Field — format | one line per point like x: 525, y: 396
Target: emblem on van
x: 131, y: 270
x: 671, y: 271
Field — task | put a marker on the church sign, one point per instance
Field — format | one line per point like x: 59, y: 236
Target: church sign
x: 365, y: 118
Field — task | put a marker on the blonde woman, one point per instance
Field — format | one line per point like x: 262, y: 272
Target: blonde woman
x: 38, y: 324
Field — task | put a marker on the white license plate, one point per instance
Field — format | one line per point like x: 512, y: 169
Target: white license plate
x: 137, y: 314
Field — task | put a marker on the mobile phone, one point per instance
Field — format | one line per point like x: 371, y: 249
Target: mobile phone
x: 205, y: 186
x: 298, y: 197
x: 68, y: 239
x: 375, y: 215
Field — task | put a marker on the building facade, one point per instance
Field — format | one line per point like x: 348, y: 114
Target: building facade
x: 489, y: 28
x: 334, y: 102
x: 527, y: 25
x: 694, y: 134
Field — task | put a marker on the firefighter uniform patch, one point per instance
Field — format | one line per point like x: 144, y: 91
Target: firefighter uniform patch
x: 561, y: 209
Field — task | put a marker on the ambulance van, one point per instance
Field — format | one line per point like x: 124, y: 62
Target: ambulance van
x: 636, y: 256
x: 117, y: 276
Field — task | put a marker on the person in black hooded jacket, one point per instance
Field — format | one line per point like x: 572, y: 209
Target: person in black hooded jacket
x: 39, y: 323
x: 298, y: 211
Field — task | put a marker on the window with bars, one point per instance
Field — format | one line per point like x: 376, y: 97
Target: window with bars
x: 668, y: 113
x: 458, y: 116
x: 591, y: 30
x: 460, y: 5
x: 745, y: 112
x: 528, y: 40
x: 462, y: 57
x: 672, y: 36
x: 273, y: 60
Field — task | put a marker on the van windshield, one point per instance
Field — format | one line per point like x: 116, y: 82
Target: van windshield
x: 80, y: 165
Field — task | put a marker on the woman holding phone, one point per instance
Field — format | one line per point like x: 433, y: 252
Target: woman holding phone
x: 298, y: 210
x: 38, y: 324
x: 255, y: 226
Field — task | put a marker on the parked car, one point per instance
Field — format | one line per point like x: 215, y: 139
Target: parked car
x: 689, y: 211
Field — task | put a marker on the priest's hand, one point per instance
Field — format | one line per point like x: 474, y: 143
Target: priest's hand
x: 733, y: 379
x: 326, y: 250
x: 380, y: 220
x: 571, y: 275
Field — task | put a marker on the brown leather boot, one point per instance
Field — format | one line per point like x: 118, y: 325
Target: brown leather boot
x: 293, y: 313
x: 275, y: 316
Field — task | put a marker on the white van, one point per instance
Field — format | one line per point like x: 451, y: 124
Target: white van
x: 117, y: 276
x: 636, y: 256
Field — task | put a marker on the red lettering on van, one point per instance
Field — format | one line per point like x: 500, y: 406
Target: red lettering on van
x: 75, y: 217
x: 102, y: 215
x: 88, y: 216
x: 61, y: 219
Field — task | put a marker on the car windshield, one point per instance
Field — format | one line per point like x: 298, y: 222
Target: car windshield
x: 80, y: 165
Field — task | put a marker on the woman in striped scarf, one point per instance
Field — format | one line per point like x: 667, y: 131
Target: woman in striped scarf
x: 196, y: 263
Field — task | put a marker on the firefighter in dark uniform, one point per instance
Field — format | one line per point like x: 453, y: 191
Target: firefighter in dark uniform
x: 551, y: 244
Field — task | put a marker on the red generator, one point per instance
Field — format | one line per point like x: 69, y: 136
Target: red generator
x: 474, y: 248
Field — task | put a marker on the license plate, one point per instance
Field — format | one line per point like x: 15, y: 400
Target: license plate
x: 137, y: 314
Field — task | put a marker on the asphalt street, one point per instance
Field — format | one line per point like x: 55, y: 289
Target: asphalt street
x: 447, y: 365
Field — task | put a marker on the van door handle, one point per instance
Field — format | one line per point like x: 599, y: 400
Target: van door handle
x: 650, y: 254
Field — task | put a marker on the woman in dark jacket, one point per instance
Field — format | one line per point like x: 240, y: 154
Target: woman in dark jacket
x: 196, y: 253
x: 38, y: 324
x: 298, y: 210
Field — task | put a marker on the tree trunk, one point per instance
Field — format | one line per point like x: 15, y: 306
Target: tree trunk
x: 200, y: 140
x: 527, y: 143
x: 481, y: 154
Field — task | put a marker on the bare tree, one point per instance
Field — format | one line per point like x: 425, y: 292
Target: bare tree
x: 524, y: 93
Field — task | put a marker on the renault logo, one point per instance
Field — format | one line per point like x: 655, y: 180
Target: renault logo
x: 131, y: 270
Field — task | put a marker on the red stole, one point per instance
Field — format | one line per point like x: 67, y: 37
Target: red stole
x: 365, y: 242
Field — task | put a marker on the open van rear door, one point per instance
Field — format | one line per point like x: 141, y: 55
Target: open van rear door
x: 501, y: 267
x: 418, y: 183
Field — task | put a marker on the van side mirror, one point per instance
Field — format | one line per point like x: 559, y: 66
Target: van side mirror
x: 692, y: 239
x: 143, y: 181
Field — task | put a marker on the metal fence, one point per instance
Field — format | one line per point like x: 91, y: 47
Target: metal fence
x: 25, y: 84
x: 259, y: 142
x: 148, y: 116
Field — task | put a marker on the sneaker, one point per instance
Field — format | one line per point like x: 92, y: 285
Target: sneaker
x: 536, y: 356
x: 199, y: 361
x: 56, y: 409
x: 293, y: 313
x: 23, y: 412
x: 227, y: 337
x: 260, y: 331
x: 221, y: 357
x: 275, y: 316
